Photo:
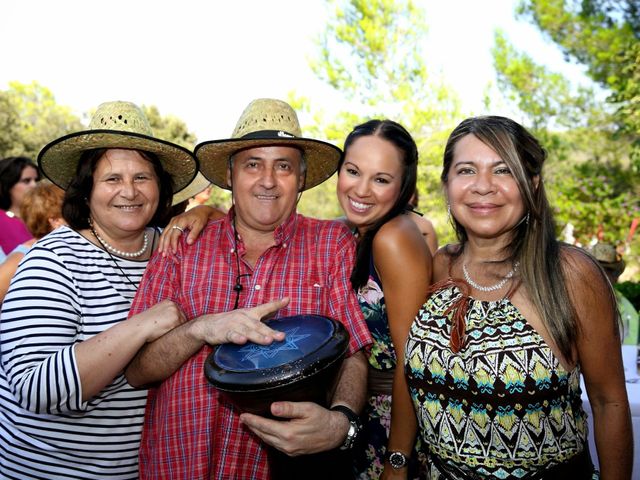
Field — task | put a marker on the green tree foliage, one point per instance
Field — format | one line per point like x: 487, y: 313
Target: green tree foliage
x: 9, y: 123
x: 627, y: 96
x: 592, y: 183
x: 169, y: 127
x: 595, y: 33
x: 173, y: 129
x: 598, y: 199
x: 547, y: 98
x: 32, y: 119
x: 604, y: 36
x: 631, y: 290
x: 371, y: 55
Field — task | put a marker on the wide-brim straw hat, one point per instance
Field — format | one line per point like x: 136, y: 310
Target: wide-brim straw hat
x: 268, y: 122
x: 608, y: 257
x: 115, y: 125
x: 194, y: 188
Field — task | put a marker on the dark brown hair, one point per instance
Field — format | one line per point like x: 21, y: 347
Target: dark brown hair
x: 397, y: 135
x: 75, y: 208
x: 10, y: 172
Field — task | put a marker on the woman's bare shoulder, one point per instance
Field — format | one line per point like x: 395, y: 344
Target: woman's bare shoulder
x: 442, y: 260
x: 399, y: 229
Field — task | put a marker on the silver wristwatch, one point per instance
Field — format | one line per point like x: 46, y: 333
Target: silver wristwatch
x: 397, y: 460
x: 354, y: 426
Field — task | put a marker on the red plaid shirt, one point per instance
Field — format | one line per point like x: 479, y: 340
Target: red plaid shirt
x: 190, y: 431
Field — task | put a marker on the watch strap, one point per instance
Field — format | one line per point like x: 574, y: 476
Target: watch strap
x: 354, y: 426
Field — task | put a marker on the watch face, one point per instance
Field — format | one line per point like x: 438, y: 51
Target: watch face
x: 397, y: 460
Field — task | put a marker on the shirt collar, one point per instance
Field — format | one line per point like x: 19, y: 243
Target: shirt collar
x: 282, y: 234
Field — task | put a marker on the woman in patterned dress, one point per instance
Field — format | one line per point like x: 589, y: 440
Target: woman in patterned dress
x: 376, y: 178
x: 495, y: 355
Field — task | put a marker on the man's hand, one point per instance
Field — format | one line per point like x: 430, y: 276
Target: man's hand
x: 310, y: 428
x: 238, y: 326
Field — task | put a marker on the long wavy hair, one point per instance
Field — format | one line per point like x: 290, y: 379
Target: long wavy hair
x: 396, y: 134
x: 533, y: 245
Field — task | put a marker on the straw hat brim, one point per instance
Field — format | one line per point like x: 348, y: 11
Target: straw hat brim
x: 59, y: 159
x: 195, y: 187
x: 321, y: 158
x: 616, y: 267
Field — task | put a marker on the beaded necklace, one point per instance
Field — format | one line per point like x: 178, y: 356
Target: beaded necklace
x: 490, y: 288
x: 115, y: 261
x: 110, y: 248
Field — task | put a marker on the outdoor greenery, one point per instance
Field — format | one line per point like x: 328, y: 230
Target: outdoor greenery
x: 631, y: 290
x: 592, y: 132
x: 371, y: 54
x: 371, y: 58
x: 30, y: 118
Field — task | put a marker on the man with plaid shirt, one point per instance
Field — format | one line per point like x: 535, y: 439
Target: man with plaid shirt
x: 261, y: 251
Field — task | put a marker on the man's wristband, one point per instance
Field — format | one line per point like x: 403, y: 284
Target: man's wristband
x: 354, y: 426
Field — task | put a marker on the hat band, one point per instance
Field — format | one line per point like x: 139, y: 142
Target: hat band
x: 267, y: 134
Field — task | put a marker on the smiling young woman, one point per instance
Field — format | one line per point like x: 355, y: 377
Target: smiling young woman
x: 376, y: 179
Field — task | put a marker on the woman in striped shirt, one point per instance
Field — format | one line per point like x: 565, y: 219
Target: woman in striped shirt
x: 66, y: 410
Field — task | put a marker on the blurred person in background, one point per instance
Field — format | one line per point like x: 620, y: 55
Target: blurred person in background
x: 41, y: 211
x: 17, y: 176
x: 424, y: 224
x: 613, y: 264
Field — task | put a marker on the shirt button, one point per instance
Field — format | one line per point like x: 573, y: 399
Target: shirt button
x: 257, y: 287
x: 284, y: 245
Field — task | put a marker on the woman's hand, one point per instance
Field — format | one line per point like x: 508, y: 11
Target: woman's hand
x: 159, y: 319
x: 189, y: 223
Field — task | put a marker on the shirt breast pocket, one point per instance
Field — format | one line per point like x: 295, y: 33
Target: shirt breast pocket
x: 308, y: 298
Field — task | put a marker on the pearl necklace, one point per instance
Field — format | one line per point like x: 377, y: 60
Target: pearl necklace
x: 120, y: 253
x: 482, y: 288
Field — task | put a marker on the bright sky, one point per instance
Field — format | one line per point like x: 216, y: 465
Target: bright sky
x: 204, y: 60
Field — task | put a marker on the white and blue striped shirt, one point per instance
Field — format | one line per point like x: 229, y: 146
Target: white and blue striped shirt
x: 65, y: 291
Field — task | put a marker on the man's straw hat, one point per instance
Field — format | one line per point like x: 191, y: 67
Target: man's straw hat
x: 115, y: 125
x: 608, y: 257
x: 268, y: 122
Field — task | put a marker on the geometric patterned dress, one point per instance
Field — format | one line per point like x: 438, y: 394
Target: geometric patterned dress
x: 503, y: 406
